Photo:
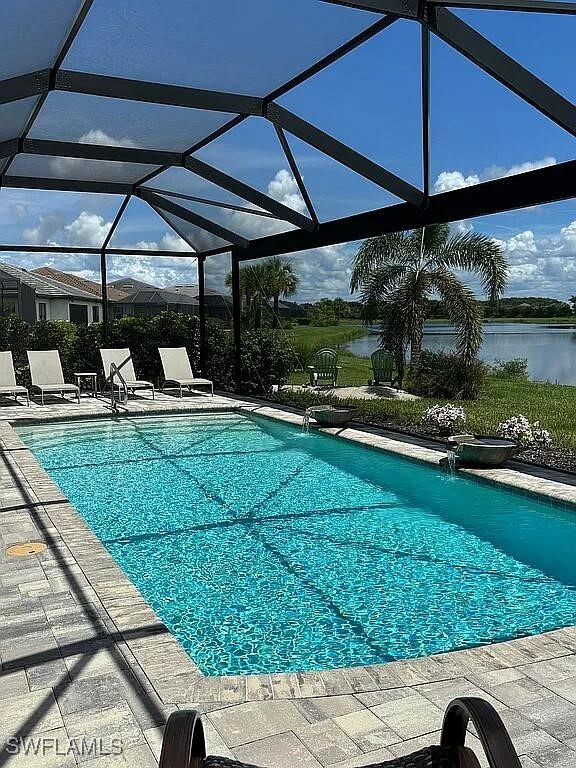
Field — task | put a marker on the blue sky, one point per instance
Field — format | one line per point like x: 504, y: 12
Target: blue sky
x: 369, y: 99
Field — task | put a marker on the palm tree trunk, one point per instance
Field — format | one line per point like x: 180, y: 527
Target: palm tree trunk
x: 257, y: 314
x: 416, y: 346
x: 275, y: 311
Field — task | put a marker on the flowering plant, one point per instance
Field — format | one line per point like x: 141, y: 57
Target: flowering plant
x: 444, y: 417
x: 526, y: 433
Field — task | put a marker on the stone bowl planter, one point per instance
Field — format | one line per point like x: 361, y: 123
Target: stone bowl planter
x: 482, y: 450
x: 334, y: 416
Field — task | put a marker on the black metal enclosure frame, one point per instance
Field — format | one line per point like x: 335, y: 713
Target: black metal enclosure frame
x: 419, y: 206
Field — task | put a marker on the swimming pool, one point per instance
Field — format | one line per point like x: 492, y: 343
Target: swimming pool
x: 264, y: 550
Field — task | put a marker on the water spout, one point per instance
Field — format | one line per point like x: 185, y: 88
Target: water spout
x: 451, y: 461
x: 306, y: 420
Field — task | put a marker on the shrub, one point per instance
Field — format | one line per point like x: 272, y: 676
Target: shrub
x: 445, y: 418
x: 447, y: 376
x: 267, y: 357
x: 303, y: 353
x: 517, y: 368
x: 525, y: 433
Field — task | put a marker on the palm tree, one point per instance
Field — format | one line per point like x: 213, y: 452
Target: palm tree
x: 281, y: 280
x: 264, y: 281
x: 396, y: 275
x: 254, y: 289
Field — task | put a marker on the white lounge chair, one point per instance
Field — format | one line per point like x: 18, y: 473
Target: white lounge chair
x: 177, y: 369
x: 8, y: 384
x: 122, y: 360
x: 47, y: 376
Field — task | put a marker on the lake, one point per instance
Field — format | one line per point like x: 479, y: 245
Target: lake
x: 549, y: 349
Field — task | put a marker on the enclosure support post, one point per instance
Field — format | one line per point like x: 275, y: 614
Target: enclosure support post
x: 236, y: 317
x: 202, y: 315
x: 104, y: 286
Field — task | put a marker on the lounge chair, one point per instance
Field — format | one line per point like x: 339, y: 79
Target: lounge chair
x: 384, y: 368
x: 177, y: 369
x: 183, y: 744
x: 325, y: 367
x: 47, y: 376
x: 123, y: 374
x: 8, y: 384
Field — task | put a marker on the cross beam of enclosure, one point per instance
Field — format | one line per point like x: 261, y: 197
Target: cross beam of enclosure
x: 538, y: 187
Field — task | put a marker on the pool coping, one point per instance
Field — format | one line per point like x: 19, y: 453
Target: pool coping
x: 172, y: 672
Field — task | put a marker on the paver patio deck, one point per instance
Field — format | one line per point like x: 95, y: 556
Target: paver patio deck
x: 83, y: 655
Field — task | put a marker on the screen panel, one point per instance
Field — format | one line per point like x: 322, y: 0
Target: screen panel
x: 541, y: 42
x: 480, y: 130
x: 32, y: 33
x: 47, y: 217
x: 370, y: 100
x: 249, y: 225
x: 250, y: 47
x: 200, y: 238
x: 118, y: 122
x: 14, y: 116
x: 79, y: 169
x: 252, y: 153
x: 185, y: 182
x: 141, y: 227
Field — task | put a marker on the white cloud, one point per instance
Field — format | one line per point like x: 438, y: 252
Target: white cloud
x: 100, y: 137
x: 75, y: 168
x: 522, y: 244
x: 282, y: 188
x: 48, y: 226
x: 542, y: 265
x: 89, y: 229
x: 450, y: 180
x: 498, y: 171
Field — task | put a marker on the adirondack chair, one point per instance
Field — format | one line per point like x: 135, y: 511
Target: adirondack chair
x: 384, y: 368
x: 325, y: 367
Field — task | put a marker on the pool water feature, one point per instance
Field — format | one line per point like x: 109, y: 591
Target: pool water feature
x: 266, y: 550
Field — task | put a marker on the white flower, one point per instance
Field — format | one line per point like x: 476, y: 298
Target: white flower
x: 444, y: 416
x: 520, y: 429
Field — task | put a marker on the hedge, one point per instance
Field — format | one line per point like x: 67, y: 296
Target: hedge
x: 266, y: 355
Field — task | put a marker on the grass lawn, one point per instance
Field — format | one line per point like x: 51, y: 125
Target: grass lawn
x: 554, y: 405
x: 332, y: 335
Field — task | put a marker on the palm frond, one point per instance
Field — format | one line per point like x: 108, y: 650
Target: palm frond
x: 377, y: 287
x: 475, y: 252
x: 435, y: 237
x: 377, y: 252
x: 463, y: 311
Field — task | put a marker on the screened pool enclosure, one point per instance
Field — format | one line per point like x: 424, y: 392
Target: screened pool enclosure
x: 179, y: 105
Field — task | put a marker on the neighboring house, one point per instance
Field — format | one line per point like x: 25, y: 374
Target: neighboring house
x: 152, y: 301
x: 80, y: 282
x: 129, y: 285
x: 217, y: 304
x: 33, y: 296
x: 51, y: 294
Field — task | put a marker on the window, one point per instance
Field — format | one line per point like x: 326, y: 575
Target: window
x: 79, y: 314
x: 42, y: 310
x: 95, y: 314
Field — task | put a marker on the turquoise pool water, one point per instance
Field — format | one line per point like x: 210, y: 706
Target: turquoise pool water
x: 265, y: 550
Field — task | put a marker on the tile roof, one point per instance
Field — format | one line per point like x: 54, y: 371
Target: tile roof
x: 44, y: 286
x: 79, y: 282
x: 159, y: 296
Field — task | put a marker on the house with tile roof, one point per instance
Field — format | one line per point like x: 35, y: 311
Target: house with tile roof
x: 33, y: 296
x: 76, y: 281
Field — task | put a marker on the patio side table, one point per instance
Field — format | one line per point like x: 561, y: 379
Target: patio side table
x: 88, y: 376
